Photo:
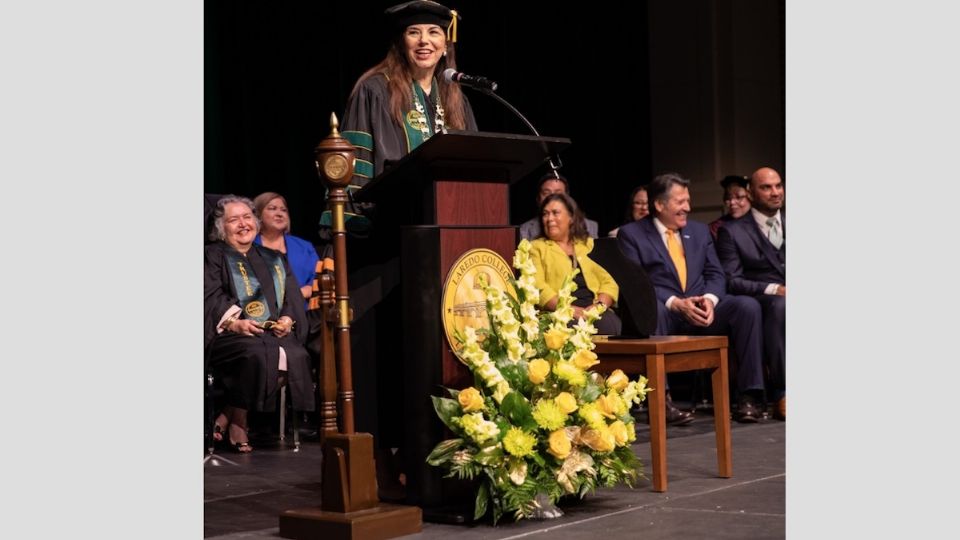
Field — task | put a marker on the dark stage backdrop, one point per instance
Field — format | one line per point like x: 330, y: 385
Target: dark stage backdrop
x: 275, y: 71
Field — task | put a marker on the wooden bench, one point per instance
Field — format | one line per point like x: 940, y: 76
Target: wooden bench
x: 655, y: 357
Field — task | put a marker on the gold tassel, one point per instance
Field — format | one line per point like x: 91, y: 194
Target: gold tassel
x: 452, y: 27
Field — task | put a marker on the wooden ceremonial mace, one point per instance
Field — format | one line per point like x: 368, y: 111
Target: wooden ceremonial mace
x: 349, y: 507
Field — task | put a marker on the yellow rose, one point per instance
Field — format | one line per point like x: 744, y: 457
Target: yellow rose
x: 470, y: 400
x: 617, y: 380
x: 559, y: 444
x: 601, y: 440
x: 607, y: 406
x: 620, y: 434
x: 555, y: 338
x: 537, y: 370
x: 585, y: 359
x: 566, y: 402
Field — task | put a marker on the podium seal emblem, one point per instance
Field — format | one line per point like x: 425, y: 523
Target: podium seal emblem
x: 464, y: 301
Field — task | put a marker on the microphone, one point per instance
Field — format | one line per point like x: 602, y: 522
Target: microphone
x: 482, y: 83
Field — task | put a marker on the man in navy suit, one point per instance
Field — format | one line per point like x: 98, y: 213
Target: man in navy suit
x: 681, y: 262
x: 753, y: 252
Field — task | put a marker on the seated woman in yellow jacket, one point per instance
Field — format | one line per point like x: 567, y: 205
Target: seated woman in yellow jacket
x: 564, y: 245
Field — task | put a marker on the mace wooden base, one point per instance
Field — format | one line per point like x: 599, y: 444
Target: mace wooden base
x: 380, y: 522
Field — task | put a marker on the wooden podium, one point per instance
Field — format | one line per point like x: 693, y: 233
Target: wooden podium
x: 450, y: 195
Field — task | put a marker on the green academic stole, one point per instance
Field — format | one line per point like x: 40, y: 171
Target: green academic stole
x: 248, y: 286
x: 416, y: 124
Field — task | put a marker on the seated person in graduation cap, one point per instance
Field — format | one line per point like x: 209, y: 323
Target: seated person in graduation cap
x: 736, y: 203
x: 254, y: 322
x: 562, y: 246
x: 550, y: 183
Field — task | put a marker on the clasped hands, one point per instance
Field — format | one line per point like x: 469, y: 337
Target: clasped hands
x: 250, y: 327
x: 697, y: 310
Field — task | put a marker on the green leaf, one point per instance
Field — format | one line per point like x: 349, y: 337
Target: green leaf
x: 443, y: 451
x: 517, y: 409
x: 516, y: 375
x: 490, y: 456
x: 447, y: 410
x: 589, y: 393
x: 503, y: 424
x: 458, y: 335
x: 483, y: 498
x: 453, y: 392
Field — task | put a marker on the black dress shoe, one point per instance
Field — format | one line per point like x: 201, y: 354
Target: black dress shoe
x: 747, y: 412
x: 676, y: 417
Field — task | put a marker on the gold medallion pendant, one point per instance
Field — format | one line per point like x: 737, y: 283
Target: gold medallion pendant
x: 464, y: 300
x: 416, y: 119
x: 255, y: 309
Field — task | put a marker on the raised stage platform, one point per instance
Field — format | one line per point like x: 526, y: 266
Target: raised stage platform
x: 244, y: 501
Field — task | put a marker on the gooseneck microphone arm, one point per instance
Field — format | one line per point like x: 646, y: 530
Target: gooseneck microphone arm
x: 554, y: 167
x: 451, y: 75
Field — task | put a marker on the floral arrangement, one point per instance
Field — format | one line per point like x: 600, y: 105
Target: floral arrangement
x: 537, y: 425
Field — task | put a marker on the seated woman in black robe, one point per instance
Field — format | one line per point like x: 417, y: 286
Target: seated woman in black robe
x: 254, y: 322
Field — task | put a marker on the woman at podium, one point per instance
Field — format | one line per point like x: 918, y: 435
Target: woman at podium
x: 404, y: 100
x: 394, y: 107
x: 563, y: 245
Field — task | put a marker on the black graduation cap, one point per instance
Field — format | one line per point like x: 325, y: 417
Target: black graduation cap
x: 424, y: 12
x: 741, y: 181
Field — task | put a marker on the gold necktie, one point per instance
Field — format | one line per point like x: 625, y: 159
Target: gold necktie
x: 676, y: 253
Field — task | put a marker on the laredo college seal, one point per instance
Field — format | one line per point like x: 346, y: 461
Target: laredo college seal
x: 464, y: 302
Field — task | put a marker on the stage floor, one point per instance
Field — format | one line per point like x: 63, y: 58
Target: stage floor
x: 244, y: 501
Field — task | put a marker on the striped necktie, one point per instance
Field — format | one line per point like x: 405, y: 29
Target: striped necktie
x: 676, y: 253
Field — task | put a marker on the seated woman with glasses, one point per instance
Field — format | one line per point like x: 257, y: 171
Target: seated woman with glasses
x: 254, y: 322
x: 638, y: 209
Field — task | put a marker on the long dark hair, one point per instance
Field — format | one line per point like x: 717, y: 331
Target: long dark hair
x: 396, y: 68
x: 578, y: 224
x: 628, y: 217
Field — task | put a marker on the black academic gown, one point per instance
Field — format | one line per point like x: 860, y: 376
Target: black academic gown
x: 247, y: 366
x: 368, y: 112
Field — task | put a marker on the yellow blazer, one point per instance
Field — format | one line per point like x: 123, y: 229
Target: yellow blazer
x: 553, y: 266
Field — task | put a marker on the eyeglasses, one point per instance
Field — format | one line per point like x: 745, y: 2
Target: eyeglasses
x: 739, y: 198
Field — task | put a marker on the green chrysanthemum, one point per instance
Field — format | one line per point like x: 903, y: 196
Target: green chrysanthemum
x: 570, y: 373
x: 548, y: 415
x: 592, y: 416
x: 519, y: 443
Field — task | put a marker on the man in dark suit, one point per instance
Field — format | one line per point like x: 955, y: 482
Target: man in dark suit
x: 681, y: 262
x: 753, y: 252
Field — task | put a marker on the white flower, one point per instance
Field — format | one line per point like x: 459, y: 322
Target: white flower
x: 517, y: 471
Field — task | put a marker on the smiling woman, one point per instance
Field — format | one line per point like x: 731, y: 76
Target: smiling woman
x: 254, y: 323
x: 275, y: 234
x: 399, y: 103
